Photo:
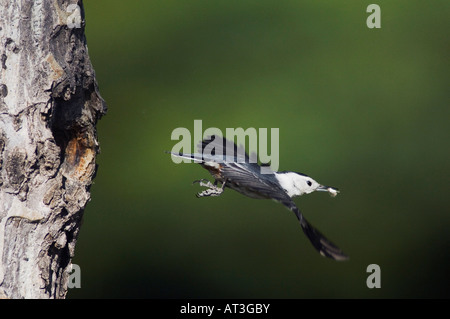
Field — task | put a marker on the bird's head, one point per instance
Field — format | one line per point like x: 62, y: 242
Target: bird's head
x: 297, y: 184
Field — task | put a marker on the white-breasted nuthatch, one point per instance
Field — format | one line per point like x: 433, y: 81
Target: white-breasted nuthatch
x: 233, y: 168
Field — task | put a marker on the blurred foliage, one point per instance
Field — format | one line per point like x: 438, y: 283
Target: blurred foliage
x: 365, y: 110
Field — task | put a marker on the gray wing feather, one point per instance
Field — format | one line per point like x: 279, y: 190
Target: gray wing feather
x: 248, y: 176
x: 324, y: 246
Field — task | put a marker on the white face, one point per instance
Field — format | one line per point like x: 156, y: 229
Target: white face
x: 305, y: 184
x: 296, y: 185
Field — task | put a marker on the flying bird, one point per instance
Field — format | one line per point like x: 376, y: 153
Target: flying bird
x: 233, y: 168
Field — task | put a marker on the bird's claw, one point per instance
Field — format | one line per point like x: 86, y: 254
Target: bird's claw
x: 212, y: 190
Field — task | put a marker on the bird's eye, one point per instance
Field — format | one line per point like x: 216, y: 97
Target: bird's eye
x: 309, y: 183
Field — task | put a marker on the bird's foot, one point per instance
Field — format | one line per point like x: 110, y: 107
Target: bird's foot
x: 213, y: 190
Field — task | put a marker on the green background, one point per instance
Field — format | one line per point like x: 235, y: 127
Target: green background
x: 364, y: 110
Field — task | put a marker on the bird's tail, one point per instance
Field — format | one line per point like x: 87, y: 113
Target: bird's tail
x: 320, y: 242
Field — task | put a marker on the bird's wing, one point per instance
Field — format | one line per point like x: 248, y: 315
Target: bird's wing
x: 248, y: 176
x: 320, y: 242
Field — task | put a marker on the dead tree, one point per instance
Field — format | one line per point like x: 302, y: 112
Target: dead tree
x: 49, y: 106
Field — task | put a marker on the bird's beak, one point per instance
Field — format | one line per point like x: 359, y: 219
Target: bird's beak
x: 323, y: 188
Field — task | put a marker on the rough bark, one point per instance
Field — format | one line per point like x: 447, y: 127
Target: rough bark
x: 49, y: 106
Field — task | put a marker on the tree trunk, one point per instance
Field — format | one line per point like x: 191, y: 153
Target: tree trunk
x: 49, y: 106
